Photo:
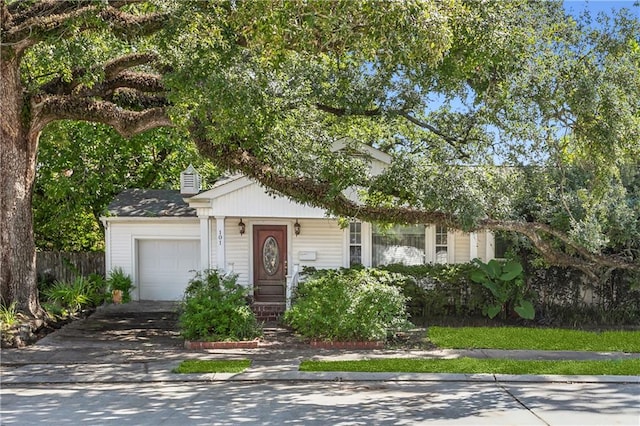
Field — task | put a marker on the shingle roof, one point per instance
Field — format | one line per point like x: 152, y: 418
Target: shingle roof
x: 150, y: 203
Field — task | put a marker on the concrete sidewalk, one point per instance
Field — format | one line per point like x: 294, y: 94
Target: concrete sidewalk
x: 139, y: 342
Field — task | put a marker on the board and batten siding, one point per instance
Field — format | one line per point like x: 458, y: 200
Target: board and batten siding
x: 122, y: 235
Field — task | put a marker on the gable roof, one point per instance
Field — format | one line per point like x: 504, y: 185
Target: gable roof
x: 150, y: 203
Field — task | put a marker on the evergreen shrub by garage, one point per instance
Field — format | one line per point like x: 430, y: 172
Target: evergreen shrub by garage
x: 215, y: 308
x: 348, y: 305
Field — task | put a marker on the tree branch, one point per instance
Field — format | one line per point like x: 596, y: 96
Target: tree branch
x: 340, y: 112
x: 46, y: 22
x: 115, y: 66
x: 452, y: 141
x: 320, y: 194
x: 58, y: 86
x: 127, y: 123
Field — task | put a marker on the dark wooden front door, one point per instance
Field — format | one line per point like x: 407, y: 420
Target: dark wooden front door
x: 269, y: 262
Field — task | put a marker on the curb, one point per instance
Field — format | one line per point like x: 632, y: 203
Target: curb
x: 162, y: 372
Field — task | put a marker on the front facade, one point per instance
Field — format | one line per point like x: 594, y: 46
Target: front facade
x: 161, y: 238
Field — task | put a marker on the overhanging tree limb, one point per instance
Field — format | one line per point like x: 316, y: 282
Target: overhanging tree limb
x: 126, y: 123
x: 320, y: 194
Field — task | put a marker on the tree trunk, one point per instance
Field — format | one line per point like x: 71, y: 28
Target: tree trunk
x: 18, y: 151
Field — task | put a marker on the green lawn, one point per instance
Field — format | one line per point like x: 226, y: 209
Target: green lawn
x: 627, y: 367
x: 534, y: 338
x: 213, y: 366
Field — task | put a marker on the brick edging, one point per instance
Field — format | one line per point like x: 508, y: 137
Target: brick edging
x: 366, y: 344
x: 242, y: 344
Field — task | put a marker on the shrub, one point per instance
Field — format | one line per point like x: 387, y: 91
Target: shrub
x: 215, y: 308
x: 73, y: 297
x: 505, y: 280
x: 348, y: 305
x: 119, y: 280
x: 435, y: 290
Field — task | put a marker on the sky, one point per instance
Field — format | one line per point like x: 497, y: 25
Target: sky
x: 575, y: 7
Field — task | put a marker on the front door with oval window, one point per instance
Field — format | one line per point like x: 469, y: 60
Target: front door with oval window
x: 269, y: 263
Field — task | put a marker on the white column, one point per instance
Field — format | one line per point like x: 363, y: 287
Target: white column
x: 220, y: 249
x: 205, y: 242
x: 473, y: 245
x: 451, y: 246
x: 367, y: 244
x: 430, y: 244
x: 490, y: 247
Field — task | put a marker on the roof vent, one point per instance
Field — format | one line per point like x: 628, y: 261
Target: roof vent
x: 189, y: 181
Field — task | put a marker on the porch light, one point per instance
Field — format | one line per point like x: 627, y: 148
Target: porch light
x: 242, y: 227
x: 296, y: 228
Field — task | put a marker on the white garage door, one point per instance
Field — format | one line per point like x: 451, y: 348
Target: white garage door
x: 165, y: 267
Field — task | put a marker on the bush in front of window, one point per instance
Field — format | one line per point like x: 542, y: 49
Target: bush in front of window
x: 215, y: 308
x: 439, y: 290
x: 348, y: 305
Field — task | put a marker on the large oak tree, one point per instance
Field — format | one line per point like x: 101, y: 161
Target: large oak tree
x: 64, y: 60
x: 499, y: 115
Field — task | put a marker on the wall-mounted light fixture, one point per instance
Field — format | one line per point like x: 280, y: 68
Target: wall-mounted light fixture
x: 296, y: 228
x: 242, y: 227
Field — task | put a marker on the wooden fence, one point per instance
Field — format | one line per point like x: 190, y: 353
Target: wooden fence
x: 61, y: 266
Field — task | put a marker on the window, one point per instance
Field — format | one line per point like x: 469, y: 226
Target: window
x: 502, y: 243
x: 398, y: 244
x: 355, y: 243
x: 442, y: 246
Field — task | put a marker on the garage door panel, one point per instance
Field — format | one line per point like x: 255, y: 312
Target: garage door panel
x: 165, y: 267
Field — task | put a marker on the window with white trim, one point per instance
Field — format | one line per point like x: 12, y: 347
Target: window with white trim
x: 355, y: 243
x: 442, y: 244
x: 398, y: 244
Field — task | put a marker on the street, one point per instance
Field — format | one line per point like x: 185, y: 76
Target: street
x: 322, y: 403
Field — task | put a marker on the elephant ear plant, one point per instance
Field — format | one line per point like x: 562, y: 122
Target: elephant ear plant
x: 505, y: 280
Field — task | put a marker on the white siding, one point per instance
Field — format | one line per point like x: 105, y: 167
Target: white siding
x: 325, y: 238
x: 461, y: 252
x: 253, y: 201
x: 123, y: 236
x: 238, y: 249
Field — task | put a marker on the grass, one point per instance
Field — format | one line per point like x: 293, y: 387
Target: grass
x: 8, y: 315
x: 212, y: 366
x: 626, y: 367
x: 534, y: 338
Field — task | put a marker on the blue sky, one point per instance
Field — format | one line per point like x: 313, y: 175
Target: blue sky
x: 575, y: 7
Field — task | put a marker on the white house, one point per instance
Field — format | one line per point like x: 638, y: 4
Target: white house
x: 161, y: 237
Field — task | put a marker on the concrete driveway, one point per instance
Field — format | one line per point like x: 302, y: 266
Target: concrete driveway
x: 129, y: 332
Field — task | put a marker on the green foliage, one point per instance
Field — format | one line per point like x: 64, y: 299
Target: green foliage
x: 8, y: 315
x: 119, y: 280
x: 436, y: 290
x: 82, y: 293
x: 506, y: 282
x: 356, y: 304
x: 215, y: 308
x: 465, y: 365
x: 199, y: 366
x: 545, y: 339
x: 74, y: 183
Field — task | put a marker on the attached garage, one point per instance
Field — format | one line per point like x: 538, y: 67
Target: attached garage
x: 165, y: 267
x: 154, y: 236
